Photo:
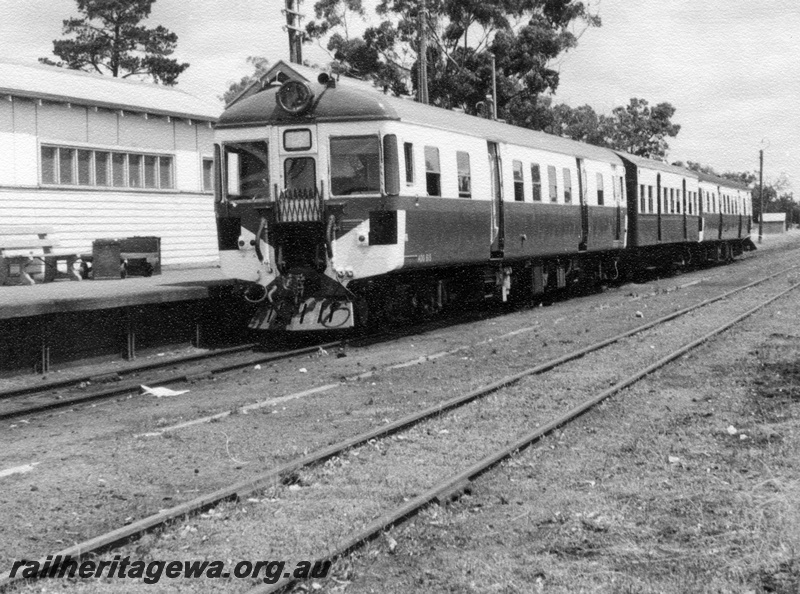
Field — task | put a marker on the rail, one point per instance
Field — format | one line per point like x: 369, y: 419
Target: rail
x: 442, y: 489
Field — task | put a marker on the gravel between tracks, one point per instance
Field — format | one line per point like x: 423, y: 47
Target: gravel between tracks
x: 164, y: 467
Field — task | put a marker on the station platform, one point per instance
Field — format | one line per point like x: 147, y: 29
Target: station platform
x: 64, y: 295
x: 62, y: 321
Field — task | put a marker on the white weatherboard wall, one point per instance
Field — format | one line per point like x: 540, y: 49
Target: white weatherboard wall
x: 182, y: 217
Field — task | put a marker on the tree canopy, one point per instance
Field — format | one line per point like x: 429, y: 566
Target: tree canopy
x: 523, y: 35
x: 260, y: 65
x: 108, y: 38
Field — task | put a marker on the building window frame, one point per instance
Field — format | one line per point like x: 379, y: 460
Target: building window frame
x: 60, y: 167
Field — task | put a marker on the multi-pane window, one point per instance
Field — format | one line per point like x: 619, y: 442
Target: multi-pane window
x: 433, y: 171
x: 150, y: 171
x: 101, y: 164
x: 165, y: 175
x: 135, y: 171
x: 66, y: 169
x: 118, y: 169
x: 464, y: 175
x: 600, y: 198
x: 536, y: 182
x: 567, y: 186
x: 553, y: 183
x: 88, y: 167
x: 84, y: 168
x: 208, y: 175
x: 408, y: 152
x: 519, y: 183
x: 650, y: 199
x: 49, y: 165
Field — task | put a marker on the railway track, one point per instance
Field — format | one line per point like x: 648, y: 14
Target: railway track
x: 441, y: 490
x: 449, y: 487
x: 54, y: 394
x: 43, y: 397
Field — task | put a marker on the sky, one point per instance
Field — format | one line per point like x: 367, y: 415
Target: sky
x: 730, y: 67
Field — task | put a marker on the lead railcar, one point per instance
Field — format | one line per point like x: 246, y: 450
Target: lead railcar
x: 339, y: 205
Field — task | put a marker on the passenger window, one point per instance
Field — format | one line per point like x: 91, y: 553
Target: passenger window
x: 355, y: 165
x: 297, y: 140
x: 519, y: 183
x: 247, y: 170
x: 600, y: 189
x: 408, y: 151
x: 433, y: 171
x: 299, y: 173
x: 536, y: 182
x: 551, y: 177
x: 464, y: 175
x: 567, y: 186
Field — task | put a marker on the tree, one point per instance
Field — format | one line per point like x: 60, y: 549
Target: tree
x: 639, y: 129
x: 260, y: 65
x: 108, y: 38
x: 523, y: 35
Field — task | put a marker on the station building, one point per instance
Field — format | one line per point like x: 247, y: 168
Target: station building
x: 97, y: 157
x: 774, y: 223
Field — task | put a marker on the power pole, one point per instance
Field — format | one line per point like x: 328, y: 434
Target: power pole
x: 761, y: 194
x: 422, y: 69
x: 293, y: 18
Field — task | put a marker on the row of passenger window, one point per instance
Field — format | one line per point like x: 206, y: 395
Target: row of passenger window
x: 672, y: 202
x: 433, y: 177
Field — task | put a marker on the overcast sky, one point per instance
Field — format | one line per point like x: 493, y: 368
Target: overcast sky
x: 730, y: 67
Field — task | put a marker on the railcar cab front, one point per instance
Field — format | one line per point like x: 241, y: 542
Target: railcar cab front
x: 286, y: 168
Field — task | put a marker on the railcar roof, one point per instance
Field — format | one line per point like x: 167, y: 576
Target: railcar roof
x: 353, y: 102
x: 645, y: 163
x: 51, y: 83
x: 723, y: 181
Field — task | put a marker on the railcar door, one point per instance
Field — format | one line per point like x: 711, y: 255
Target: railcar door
x: 584, y: 239
x: 498, y: 231
x: 658, y: 200
x: 685, y: 219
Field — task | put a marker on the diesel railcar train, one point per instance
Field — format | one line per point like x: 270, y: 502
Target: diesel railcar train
x: 338, y: 206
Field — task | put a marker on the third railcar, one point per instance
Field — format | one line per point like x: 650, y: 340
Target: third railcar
x: 340, y: 206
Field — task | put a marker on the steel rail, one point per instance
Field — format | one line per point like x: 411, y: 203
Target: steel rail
x: 458, y: 482
x: 245, y: 488
x: 65, y: 383
x: 173, y: 379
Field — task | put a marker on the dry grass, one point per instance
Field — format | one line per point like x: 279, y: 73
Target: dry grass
x: 652, y: 493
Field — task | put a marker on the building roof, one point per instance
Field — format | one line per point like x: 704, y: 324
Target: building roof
x: 51, y: 83
x: 774, y: 217
x: 356, y: 100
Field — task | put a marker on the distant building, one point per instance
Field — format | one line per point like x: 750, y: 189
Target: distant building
x: 100, y: 157
x: 774, y: 222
